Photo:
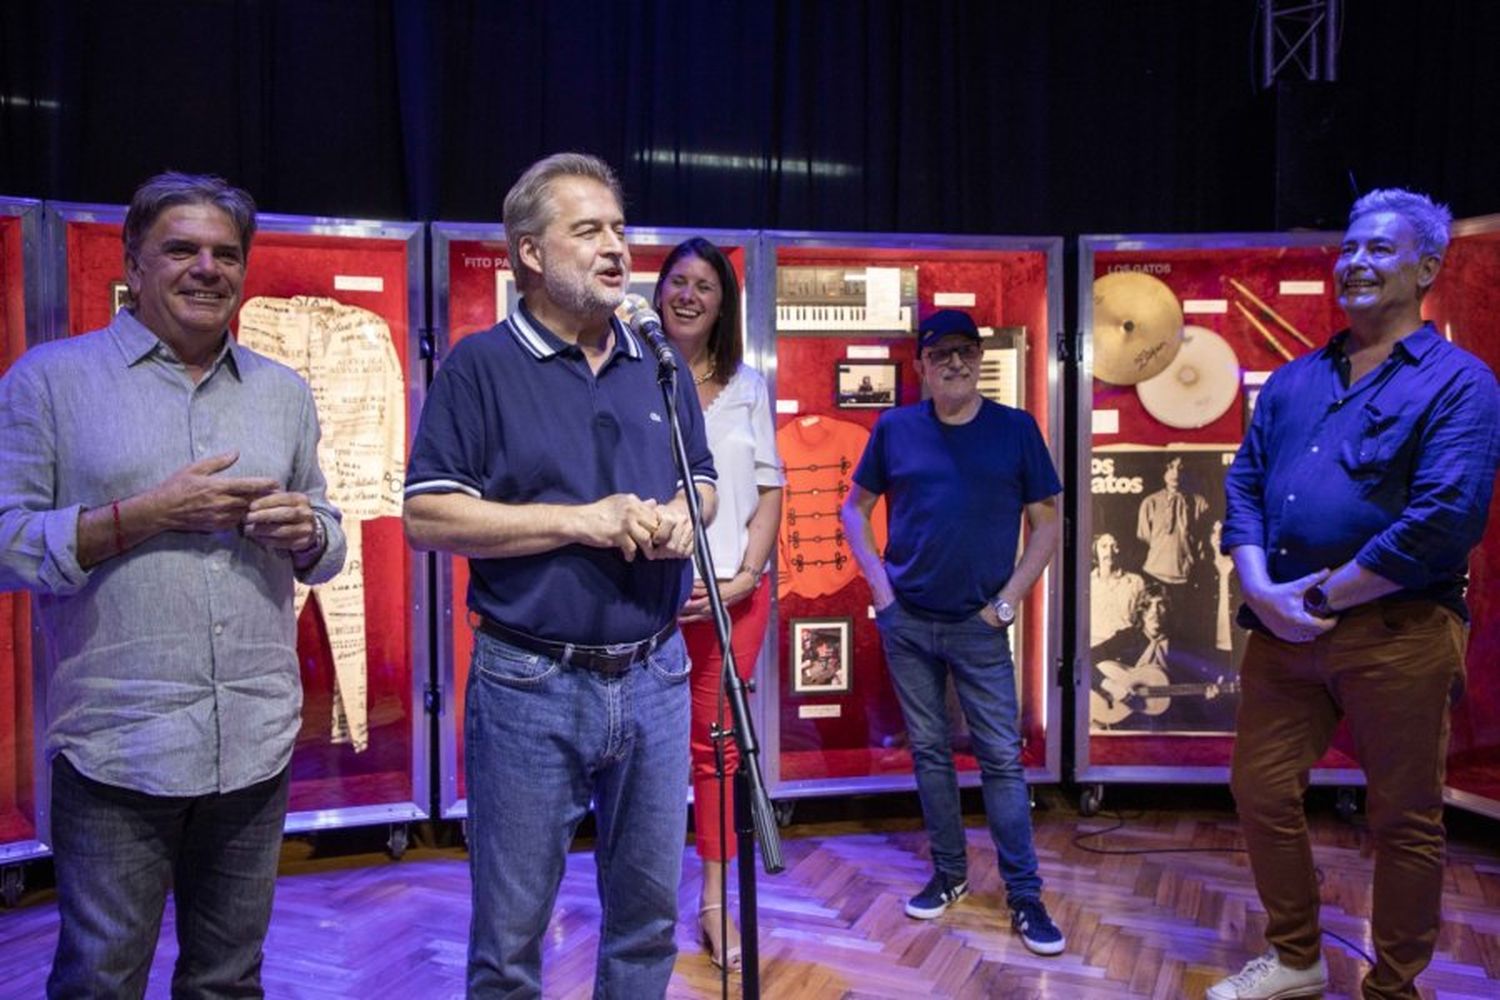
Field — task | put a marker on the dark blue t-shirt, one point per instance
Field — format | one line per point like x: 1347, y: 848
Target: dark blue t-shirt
x: 955, y: 496
x: 515, y: 415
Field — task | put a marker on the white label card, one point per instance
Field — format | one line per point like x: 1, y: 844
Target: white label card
x: 819, y: 711
x: 1106, y: 421
x: 1302, y: 287
x: 358, y: 283
x: 787, y: 406
x: 953, y: 300
x: 883, y: 295
x: 1202, y: 306
x: 867, y: 352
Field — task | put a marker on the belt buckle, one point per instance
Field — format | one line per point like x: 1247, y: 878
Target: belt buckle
x: 624, y: 654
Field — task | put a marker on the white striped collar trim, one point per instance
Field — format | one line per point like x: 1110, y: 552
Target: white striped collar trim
x: 442, y: 486
x: 529, y: 335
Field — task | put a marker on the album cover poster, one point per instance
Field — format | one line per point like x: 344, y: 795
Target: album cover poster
x: 1164, y: 646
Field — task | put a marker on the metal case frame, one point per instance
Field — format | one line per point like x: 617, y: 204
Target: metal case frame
x: 34, y: 293
x: 768, y: 692
x: 58, y: 216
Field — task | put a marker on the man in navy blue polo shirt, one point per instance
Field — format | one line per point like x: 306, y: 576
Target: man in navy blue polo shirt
x: 958, y: 472
x: 1362, y: 484
x: 544, y: 456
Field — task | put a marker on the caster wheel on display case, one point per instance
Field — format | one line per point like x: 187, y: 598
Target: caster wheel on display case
x: 783, y: 808
x: 1090, y: 798
x: 1346, y: 804
x: 395, y: 845
x: 12, y: 884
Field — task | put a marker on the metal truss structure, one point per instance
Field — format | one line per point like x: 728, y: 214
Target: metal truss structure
x: 1301, y: 38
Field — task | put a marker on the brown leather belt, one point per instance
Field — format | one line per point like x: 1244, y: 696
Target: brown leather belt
x: 612, y: 659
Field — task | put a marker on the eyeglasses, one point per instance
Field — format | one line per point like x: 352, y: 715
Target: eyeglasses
x: 967, y: 353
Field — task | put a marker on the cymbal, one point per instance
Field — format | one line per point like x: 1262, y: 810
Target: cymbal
x: 1137, y: 327
x: 1200, y: 384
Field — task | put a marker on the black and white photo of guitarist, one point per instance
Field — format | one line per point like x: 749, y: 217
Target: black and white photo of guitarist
x: 1144, y: 681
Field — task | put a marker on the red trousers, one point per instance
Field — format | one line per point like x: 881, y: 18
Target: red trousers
x: 747, y: 621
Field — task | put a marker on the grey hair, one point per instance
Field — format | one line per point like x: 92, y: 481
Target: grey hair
x: 1431, y: 220
x: 172, y: 188
x: 528, y: 209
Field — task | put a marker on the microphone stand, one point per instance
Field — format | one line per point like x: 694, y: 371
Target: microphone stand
x: 753, y: 816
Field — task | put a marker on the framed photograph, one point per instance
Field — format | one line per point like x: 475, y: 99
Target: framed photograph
x: 820, y: 655
x: 867, y: 385
x: 119, y: 296
x: 1163, y: 639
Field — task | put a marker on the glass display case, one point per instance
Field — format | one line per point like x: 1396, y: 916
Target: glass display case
x: 842, y: 311
x: 473, y: 289
x: 1178, y: 335
x: 23, y: 788
x: 341, y: 302
x: 1464, y: 305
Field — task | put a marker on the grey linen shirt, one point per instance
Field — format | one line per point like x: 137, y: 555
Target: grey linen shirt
x: 172, y: 669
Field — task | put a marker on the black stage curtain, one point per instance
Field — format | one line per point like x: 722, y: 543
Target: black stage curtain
x: 1062, y: 117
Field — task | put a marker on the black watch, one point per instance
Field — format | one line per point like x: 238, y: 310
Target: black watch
x: 1315, y: 602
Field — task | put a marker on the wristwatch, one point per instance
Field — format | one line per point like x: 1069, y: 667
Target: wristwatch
x: 1315, y: 602
x: 1003, y: 611
x: 320, y: 540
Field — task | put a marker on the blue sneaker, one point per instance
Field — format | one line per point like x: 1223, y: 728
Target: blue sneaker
x: 939, y: 894
x: 1029, y: 919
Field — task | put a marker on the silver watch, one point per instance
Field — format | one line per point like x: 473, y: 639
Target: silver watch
x: 319, y: 542
x: 1004, y: 610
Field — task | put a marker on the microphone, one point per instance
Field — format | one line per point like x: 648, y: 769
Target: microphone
x: 645, y: 323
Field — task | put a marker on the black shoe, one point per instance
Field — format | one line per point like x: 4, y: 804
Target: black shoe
x: 1029, y: 919
x: 940, y: 893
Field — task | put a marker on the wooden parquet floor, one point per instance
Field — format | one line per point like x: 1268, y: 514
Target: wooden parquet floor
x: 1139, y: 925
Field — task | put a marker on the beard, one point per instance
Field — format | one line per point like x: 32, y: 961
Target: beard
x: 579, y: 295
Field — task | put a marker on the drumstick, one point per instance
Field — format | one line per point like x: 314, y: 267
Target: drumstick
x: 1289, y: 328
x: 1275, y: 344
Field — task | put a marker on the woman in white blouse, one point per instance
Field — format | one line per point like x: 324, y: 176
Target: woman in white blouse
x: 698, y: 297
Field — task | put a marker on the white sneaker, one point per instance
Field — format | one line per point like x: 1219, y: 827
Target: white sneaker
x: 1265, y: 978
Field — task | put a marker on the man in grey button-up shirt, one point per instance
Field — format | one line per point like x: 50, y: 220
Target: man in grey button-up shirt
x: 159, y: 492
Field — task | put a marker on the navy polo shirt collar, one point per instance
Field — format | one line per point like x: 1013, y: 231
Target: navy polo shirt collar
x: 538, y: 341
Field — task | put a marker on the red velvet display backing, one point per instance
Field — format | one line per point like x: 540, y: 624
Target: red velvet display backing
x: 324, y: 775
x: 867, y: 737
x: 1464, y: 304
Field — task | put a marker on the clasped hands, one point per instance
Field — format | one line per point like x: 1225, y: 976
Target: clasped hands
x: 639, y: 527
x: 1280, y: 608
x: 197, y: 498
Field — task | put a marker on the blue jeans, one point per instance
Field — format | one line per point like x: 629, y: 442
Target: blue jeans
x: 117, y: 853
x: 540, y: 741
x: 920, y: 654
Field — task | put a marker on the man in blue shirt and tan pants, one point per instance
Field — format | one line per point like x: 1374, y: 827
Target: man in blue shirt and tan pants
x: 1362, y: 484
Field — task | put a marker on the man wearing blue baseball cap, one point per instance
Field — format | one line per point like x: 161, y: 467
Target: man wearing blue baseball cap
x: 958, y: 472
